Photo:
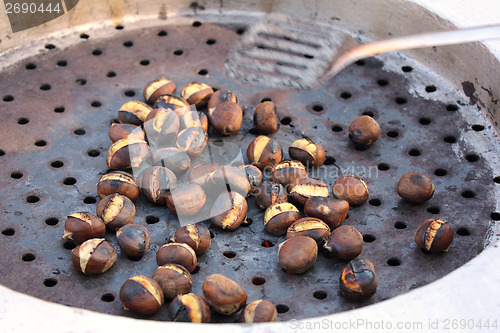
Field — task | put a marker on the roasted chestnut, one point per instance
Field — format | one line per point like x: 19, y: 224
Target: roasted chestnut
x: 259, y: 311
x: 269, y: 193
x: 141, y: 294
x: 197, y: 93
x: 94, y: 256
x: 174, y: 280
x: 307, y: 152
x: 156, y: 184
x: 265, y: 118
x: 118, y: 182
x: 279, y: 216
x: 358, y: 280
x: 133, y: 239
x: 309, y: 226
x: 345, y: 242
x: 302, y: 189
x: 199, y: 173
x: 186, y: 199
x: 122, y: 131
x: 415, y: 187
x: 286, y: 172
x: 194, y: 235
x: 226, y: 118
x: 155, y: 89
x: 169, y: 101
x: 173, y: 159
x: 82, y: 226
x: 229, y: 210
x: 224, y: 295
x: 133, y: 112
x: 177, y: 253
x: 221, y: 96
x: 254, y: 177
x: 126, y: 153
x: 162, y: 127
x: 351, y: 189
x: 434, y: 235
x: 264, y: 152
x: 363, y: 131
x: 189, y: 308
x: 116, y: 210
x: 194, y: 119
x: 298, y: 254
x: 329, y: 210
x: 192, y: 140
x: 227, y: 177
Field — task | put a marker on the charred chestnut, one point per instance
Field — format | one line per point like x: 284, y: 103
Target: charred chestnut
x: 82, y: 226
x: 94, y: 256
x: 221, y: 96
x: 434, y: 235
x: 186, y: 199
x: 118, y: 182
x: 192, y: 141
x: 358, y: 280
x: 174, y: 280
x: 122, y: 131
x: 351, y: 189
x: 141, y: 294
x: 226, y: 118
x: 173, y: 159
x: 162, y: 127
x: 254, y: 177
x: 189, y: 308
x: 169, y: 101
x: 199, y: 173
x: 156, y: 183
x: 196, y: 236
x: 133, y: 239
x: 155, y: 89
x: 126, y: 153
x: 415, y: 187
x: 269, y: 193
x: 304, y: 188
x: 259, y: 311
x: 298, y: 254
x: 177, y: 253
x: 116, y: 210
x: 133, y: 112
x: 307, y: 152
x: 286, y: 172
x: 229, y: 210
x: 224, y: 295
x: 265, y: 118
x: 345, y: 242
x: 311, y: 227
x: 364, y: 131
x: 329, y: 210
x: 197, y: 93
x: 279, y: 216
x: 264, y: 152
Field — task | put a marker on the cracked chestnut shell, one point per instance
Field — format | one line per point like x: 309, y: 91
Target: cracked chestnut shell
x: 156, y: 88
x: 345, y: 242
x: 156, y: 184
x: 358, y: 280
x: 173, y: 159
x: 254, y: 177
x: 265, y: 118
x: 307, y: 152
x: 196, y: 236
x: 302, y: 189
x: 221, y: 96
x: 279, y: 216
x: 82, y: 226
x: 199, y: 173
x: 126, y: 153
x: 133, y: 239
x: 121, y: 131
x: 434, y: 235
x: 133, y: 112
x: 229, y: 211
x: 141, y: 294
x: 226, y: 177
x: 189, y: 308
x: 226, y: 118
x: 194, y: 119
x: 311, y: 227
x: 224, y: 295
x: 116, y: 210
x: 351, y: 189
x: 192, y: 141
x: 169, y: 101
x: 94, y: 256
x: 415, y: 187
x: 197, y: 93
x: 264, y: 152
x: 329, y: 210
x: 186, y: 199
x: 298, y: 254
x: 174, y: 280
x: 161, y: 128
x: 286, y: 172
x: 363, y: 131
x: 269, y: 193
x: 259, y: 311
x: 118, y: 182
x: 177, y: 253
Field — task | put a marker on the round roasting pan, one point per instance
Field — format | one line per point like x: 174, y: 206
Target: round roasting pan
x: 466, y: 296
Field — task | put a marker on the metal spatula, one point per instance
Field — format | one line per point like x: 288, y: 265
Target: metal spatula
x: 281, y: 51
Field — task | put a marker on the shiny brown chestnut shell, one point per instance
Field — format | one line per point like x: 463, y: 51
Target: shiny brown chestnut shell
x: 173, y: 159
x: 118, y: 182
x: 224, y: 295
x: 269, y: 193
x: 229, y: 210
x: 141, y: 294
x: 221, y: 96
x: 121, y: 131
x: 286, y: 172
x: 345, y: 242
x: 226, y: 177
x: 279, y: 216
x: 173, y: 279
x: 254, y: 177
x: 311, y: 227
x: 264, y: 152
x: 133, y: 239
x: 177, y: 253
x: 265, y: 118
x: 259, y: 311
x: 194, y: 119
x: 226, y: 118
x: 363, y: 131
x: 197, y: 93
x: 186, y: 199
x: 199, y: 173
x: 189, y: 308
x: 298, y: 254
x: 126, y: 153
x: 156, y: 88
x: 156, y: 184
x: 169, y: 101
x: 307, y: 152
x: 330, y: 210
x: 116, y: 210
x: 133, y: 112
x: 351, y: 189
x: 302, y: 189
x: 358, y: 280
x: 94, y: 256
x: 192, y: 141
x: 415, y: 187
x: 194, y: 235
x: 162, y: 127
x: 434, y: 235
x: 82, y: 226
